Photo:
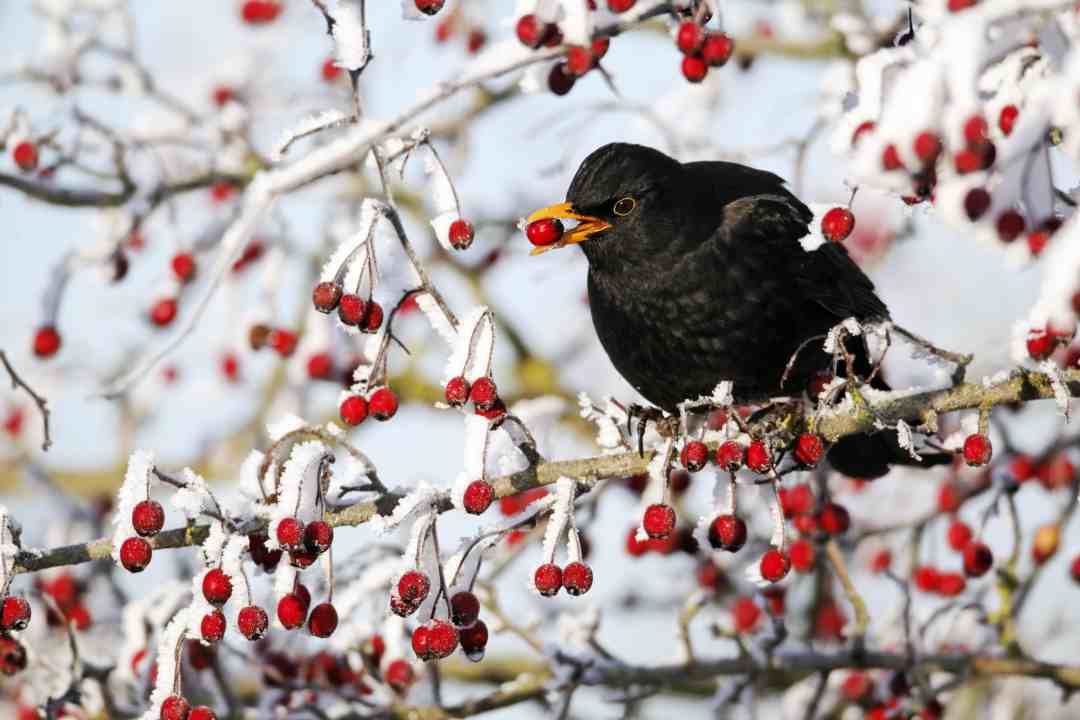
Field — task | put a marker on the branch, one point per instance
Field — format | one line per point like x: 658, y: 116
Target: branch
x: 42, y: 403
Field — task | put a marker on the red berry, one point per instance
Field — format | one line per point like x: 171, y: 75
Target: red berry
x: 864, y: 127
x: 330, y: 70
x: 323, y: 621
x: 694, y: 68
x: 959, y: 535
x: 977, y: 559
x: 292, y: 611
x: 543, y: 232
x: 222, y: 95
x: 950, y: 584
x: 548, y: 579
x: 318, y: 536
x: 351, y: 309
x: 802, y: 555
x: 354, y: 409
x: 326, y: 296
x: 183, y: 266
x: 163, y: 312
x: 976, y: 203
x: 464, y: 608
x: 1009, y: 225
x: 474, y: 639
x: 834, y: 519
x: 1007, y: 118
x: 217, y: 587
x: 148, y: 517
x: 478, y: 497
x: 958, y: 5
x: 461, y: 234
x: 399, y: 675
x: 530, y: 31
x: 413, y: 587
x: 774, y: 565
x: 579, y: 60
x: 809, y: 449
x: 283, y: 342
x: 694, y: 455
x: 290, y: 533
x: 727, y: 532
x: 230, y: 366
x: 717, y: 49
x: 560, y: 81
x: 1040, y: 345
x: 25, y: 155
x: 1074, y: 569
x: 135, y: 554
x: 729, y: 456
x: 257, y: 12
x: 302, y: 558
x: 442, y: 639
x: 577, y: 578
x: 837, y: 224
x: 798, y: 500
x: 975, y: 130
x: 476, y: 40
x: 619, y: 6
x: 14, y: 613
x: 745, y: 613
x: 429, y: 7
x: 457, y: 391
x: 202, y: 713
x: 483, y: 393
x: 252, y: 622
x: 890, y: 158
x: 12, y: 656
x: 977, y: 450
x: 927, y: 146
x: 690, y: 37
x: 212, y: 626
x: 175, y: 708
x: 599, y: 48
x: 758, y: 458
x: 320, y: 366
x: 881, y: 561
x: 1037, y: 241
x: 658, y: 521
x: 383, y: 404
x: 46, y: 341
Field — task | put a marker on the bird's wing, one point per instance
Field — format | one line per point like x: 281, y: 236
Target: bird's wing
x: 826, y: 276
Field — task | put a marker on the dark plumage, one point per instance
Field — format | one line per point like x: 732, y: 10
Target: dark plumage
x: 705, y: 280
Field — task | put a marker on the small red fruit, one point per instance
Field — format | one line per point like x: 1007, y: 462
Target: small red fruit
x: 399, y: 675
x: 976, y: 203
x: 383, y: 404
x: 977, y: 450
x: 959, y: 535
x: 774, y: 565
x: 1040, y: 345
x: 484, y: 393
x: 413, y: 587
x: 890, y: 158
x: 809, y: 449
x: 14, y: 613
x: 658, y: 521
x: 457, y: 391
x: 1010, y: 224
x: 758, y: 458
x: 579, y: 60
x: 599, y: 48
x: 543, y: 232
x: 429, y: 7
x: 577, y: 578
x: 745, y: 613
x: 1074, y: 569
x: 175, y: 708
x: 135, y: 554
x: 619, y: 6
x: 881, y: 561
x: 461, y: 234
x: 729, y: 456
x: 548, y: 579
x: 837, y: 224
x: 442, y: 639
x: 326, y: 296
x: 217, y: 587
x: 290, y: 533
x: 291, y: 611
x: 690, y: 37
x: 717, y: 49
x: 183, y: 266
x: 694, y: 455
x: 727, y: 532
x: 351, y: 309
x: 252, y: 622
x: 464, y: 608
x: 25, y: 155
x: 46, y: 341
x: 478, y: 497
x: 834, y: 519
x: 864, y: 127
x: 530, y: 31
x: 1007, y: 118
x: 978, y: 559
x: 320, y: 366
x: 802, y: 555
x: 148, y: 517
x: 694, y: 68
x: 212, y: 626
x: 474, y: 639
x: 354, y: 409
x: 927, y: 146
x: 163, y: 312
x: 283, y: 342
x: 975, y: 130
x: 202, y: 712
x: 323, y: 621
x: 318, y: 536
x: 560, y: 81
x: 950, y: 584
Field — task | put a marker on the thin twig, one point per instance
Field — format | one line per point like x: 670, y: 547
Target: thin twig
x: 41, y: 402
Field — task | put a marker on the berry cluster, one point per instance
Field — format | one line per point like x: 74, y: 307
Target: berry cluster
x: 175, y: 707
x: 381, y: 403
x: 701, y: 49
x: 482, y: 393
x: 148, y: 518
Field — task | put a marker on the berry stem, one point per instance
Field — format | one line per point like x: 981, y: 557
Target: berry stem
x: 434, y: 533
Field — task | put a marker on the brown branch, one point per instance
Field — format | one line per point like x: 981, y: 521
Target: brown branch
x: 42, y: 403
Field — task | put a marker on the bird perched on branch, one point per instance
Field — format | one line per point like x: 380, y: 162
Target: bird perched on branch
x: 697, y: 275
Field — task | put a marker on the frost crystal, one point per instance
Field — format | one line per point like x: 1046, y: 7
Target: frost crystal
x: 437, y: 318
x: 1062, y: 396
x: 561, y: 513
x: 350, y: 36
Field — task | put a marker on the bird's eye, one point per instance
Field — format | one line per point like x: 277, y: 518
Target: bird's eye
x: 625, y: 206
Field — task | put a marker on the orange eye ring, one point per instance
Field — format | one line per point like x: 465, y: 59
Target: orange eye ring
x: 624, y: 206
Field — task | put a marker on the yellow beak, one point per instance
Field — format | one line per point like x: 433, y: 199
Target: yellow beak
x: 587, y: 226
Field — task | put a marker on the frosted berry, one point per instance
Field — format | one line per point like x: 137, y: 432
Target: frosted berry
x: 484, y: 393
x: 383, y: 404
x: 690, y: 37
x: 457, y: 391
x: 478, y: 497
x: 531, y: 31
x: 399, y: 675
x: 283, y: 342
x: 401, y: 608
x: 890, y: 158
x: 694, y: 68
x: 442, y: 639
x: 745, y: 615
x: 834, y: 519
x: 12, y: 655
x: 14, y: 613
x: 727, y: 532
x: 959, y: 535
x: 579, y: 60
x: 774, y: 565
x: 183, y: 266
x: 252, y: 622
x: 135, y: 554
x: 320, y: 366
x: 976, y: 203
x: 413, y: 587
x: 330, y: 70
x: 619, y: 6
x: 543, y: 232
x: 302, y: 558
x: 694, y: 455
x: 1040, y: 344
x: 175, y: 707
x: 373, y: 319
x: 461, y: 234
x: 1007, y: 119
x: 717, y: 49
x: 25, y: 155
x: 809, y: 449
x: 163, y: 312
x: 323, y: 621
x: 927, y: 147
x: 351, y: 309
x: 977, y: 450
x: 318, y: 536
x: 758, y: 458
x: 212, y: 626
x: 354, y: 409
x: 46, y: 341
x: 864, y: 127
x: 326, y: 296
x: 290, y: 533
x: 1010, y: 224
x: 548, y: 579
x: 730, y: 455
x: 658, y: 521
x: 975, y: 130
x: 421, y: 642
x: 217, y: 587
x: 978, y: 559
x: 429, y: 7
x: 202, y: 712
x: 802, y: 555
x: 968, y: 160
x: 599, y: 47
x: 474, y: 639
x: 837, y: 224
x: 577, y: 578
x: 464, y: 608
x: 148, y: 517
x: 291, y: 611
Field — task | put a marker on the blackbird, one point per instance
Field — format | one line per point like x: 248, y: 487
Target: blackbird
x: 697, y: 275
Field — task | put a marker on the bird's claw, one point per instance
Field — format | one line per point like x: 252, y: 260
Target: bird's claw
x: 644, y: 414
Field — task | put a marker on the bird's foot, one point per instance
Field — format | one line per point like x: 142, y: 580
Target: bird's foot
x: 666, y: 425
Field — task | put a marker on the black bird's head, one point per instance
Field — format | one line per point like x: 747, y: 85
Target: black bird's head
x: 621, y: 197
